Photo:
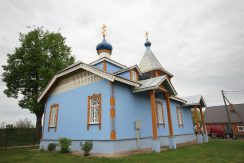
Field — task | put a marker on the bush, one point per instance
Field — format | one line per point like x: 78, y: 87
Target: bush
x: 42, y: 149
x: 64, y: 144
x: 87, y: 147
x: 51, y: 147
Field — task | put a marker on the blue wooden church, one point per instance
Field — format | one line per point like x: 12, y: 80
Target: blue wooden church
x: 119, y: 108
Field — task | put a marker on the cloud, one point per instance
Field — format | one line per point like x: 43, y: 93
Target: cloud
x: 200, y: 42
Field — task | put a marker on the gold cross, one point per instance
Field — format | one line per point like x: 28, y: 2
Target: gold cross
x: 104, y: 30
x: 147, y: 34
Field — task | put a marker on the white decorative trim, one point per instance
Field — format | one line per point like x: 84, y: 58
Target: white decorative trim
x: 75, y: 81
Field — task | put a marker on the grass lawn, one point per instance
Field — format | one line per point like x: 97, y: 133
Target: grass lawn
x: 214, y: 151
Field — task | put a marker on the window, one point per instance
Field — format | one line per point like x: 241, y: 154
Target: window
x: 133, y: 75
x: 179, y: 116
x: 160, y: 112
x: 53, y: 117
x: 94, y: 110
x: 240, y: 127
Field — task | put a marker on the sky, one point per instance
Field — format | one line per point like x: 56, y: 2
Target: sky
x: 200, y: 42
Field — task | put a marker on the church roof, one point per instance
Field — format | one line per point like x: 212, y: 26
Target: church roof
x: 84, y: 66
x: 127, y: 69
x: 194, y: 101
x: 154, y: 83
x: 104, y: 45
x: 149, y: 61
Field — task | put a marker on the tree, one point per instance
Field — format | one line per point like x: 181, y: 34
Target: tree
x: 29, y: 68
x: 25, y: 123
x: 198, y: 115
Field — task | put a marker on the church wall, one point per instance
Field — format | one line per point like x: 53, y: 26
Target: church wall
x: 99, y: 65
x: 129, y: 108
x: 72, y: 113
x: 136, y: 106
x: 163, y: 130
x: 187, y: 119
x: 111, y: 68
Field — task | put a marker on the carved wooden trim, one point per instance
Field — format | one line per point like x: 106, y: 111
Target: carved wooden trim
x: 112, y: 112
x: 100, y: 111
x: 88, y: 112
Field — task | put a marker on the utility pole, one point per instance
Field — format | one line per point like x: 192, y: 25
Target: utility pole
x: 229, y: 127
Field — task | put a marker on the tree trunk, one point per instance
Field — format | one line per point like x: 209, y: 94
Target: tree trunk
x: 39, y: 126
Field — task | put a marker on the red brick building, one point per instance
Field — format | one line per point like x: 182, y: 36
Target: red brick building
x: 216, y: 116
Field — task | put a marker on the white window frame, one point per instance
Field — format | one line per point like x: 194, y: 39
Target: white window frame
x: 94, y: 111
x: 179, y: 116
x: 240, y: 126
x: 53, y: 116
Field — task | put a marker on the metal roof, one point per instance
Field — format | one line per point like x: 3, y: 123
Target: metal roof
x: 218, y: 114
x: 127, y: 69
x: 149, y: 61
x: 194, y: 101
x: 154, y: 83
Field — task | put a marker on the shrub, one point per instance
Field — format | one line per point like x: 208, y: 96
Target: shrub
x: 51, y: 147
x: 64, y: 144
x: 87, y: 147
x: 42, y: 149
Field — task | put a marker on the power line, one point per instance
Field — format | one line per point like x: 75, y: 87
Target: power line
x: 235, y: 91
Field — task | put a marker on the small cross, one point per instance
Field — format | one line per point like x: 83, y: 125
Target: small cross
x: 104, y: 30
x: 147, y: 34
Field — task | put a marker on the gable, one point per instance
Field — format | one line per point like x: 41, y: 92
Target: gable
x: 82, y: 66
x: 156, y: 83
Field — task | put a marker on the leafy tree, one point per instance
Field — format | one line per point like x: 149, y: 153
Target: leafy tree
x: 40, y: 55
x: 25, y: 123
x: 198, y: 115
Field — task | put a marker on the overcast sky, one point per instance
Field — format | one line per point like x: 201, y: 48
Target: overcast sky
x: 200, y: 42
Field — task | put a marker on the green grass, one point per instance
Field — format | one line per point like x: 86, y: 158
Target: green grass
x: 214, y: 151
